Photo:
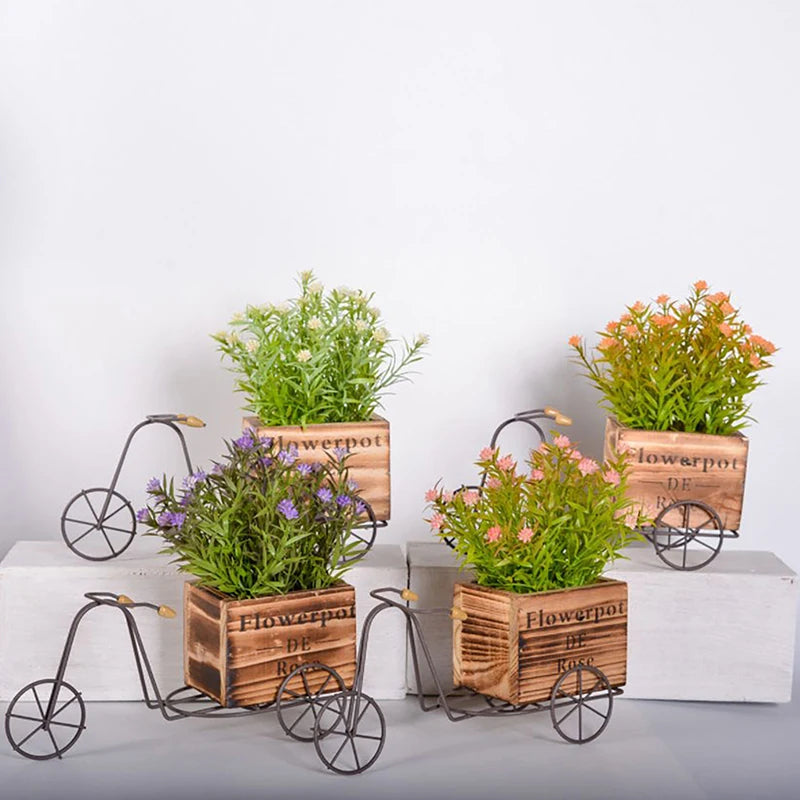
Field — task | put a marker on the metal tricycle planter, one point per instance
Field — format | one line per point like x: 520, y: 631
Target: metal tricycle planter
x: 46, y: 718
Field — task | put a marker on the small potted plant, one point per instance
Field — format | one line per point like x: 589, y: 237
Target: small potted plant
x: 266, y: 536
x: 676, y: 378
x: 314, y: 371
x: 537, y: 542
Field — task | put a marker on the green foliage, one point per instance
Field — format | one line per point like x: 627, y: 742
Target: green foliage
x: 678, y: 367
x: 260, y: 523
x: 318, y: 358
x: 553, y: 528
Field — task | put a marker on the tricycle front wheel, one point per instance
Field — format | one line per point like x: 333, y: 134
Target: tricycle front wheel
x: 349, y: 733
x: 45, y: 719
x: 581, y: 704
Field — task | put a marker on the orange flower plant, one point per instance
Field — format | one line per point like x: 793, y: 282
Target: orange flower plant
x: 678, y: 366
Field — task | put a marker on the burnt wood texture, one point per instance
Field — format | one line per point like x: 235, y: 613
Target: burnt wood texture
x: 239, y: 651
x: 514, y: 647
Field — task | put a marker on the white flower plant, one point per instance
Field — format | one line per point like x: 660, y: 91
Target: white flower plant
x: 321, y: 357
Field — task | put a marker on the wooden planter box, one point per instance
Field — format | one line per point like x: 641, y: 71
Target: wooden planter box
x: 239, y: 651
x: 368, y: 443
x: 667, y: 466
x: 516, y: 646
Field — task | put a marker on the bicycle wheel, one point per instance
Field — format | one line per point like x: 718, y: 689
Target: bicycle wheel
x: 581, y: 704
x: 349, y: 733
x: 91, y: 537
x: 34, y: 733
x: 301, y: 696
x: 685, y: 523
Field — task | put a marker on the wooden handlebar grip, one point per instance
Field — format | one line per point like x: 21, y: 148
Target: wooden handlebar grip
x: 407, y: 594
x: 551, y: 412
x: 561, y: 419
x: 458, y: 613
x: 167, y: 612
x: 124, y: 600
x: 192, y: 422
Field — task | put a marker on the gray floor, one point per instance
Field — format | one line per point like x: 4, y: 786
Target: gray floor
x: 651, y: 749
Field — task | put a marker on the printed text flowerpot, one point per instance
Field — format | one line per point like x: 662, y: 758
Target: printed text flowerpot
x: 239, y: 651
x: 516, y: 646
x: 667, y: 466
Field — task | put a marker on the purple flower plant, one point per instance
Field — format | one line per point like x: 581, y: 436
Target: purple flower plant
x: 267, y: 461
x: 343, y: 501
x: 360, y: 507
x: 143, y: 514
x: 171, y: 519
x: 190, y: 481
x: 178, y: 518
x: 352, y: 485
x: 325, y: 494
x: 304, y: 469
x: 286, y: 507
x: 217, y: 469
x: 340, y: 452
x: 266, y: 441
x: 288, y: 457
x: 153, y: 485
x: 186, y: 499
x: 245, y: 441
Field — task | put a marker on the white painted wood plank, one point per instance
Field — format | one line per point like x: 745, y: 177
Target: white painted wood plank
x: 42, y: 586
x: 723, y: 633
x: 384, y: 566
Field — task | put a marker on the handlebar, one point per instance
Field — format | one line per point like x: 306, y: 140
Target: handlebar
x: 411, y: 596
x: 122, y: 600
x: 181, y: 419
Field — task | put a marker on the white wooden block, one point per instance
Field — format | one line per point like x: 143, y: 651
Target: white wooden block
x: 432, y: 572
x: 726, y: 632
x: 384, y: 566
x: 42, y: 586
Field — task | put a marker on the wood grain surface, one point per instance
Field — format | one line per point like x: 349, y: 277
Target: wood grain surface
x: 515, y: 647
x: 239, y: 651
x: 667, y: 466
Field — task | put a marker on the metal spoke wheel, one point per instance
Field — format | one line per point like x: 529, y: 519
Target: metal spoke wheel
x: 687, y: 535
x: 349, y: 733
x: 91, y: 537
x: 581, y: 704
x: 37, y: 734
x: 301, y: 696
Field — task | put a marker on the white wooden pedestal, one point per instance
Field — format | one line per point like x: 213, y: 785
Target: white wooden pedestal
x: 432, y: 573
x: 42, y: 586
x: 725, y: 632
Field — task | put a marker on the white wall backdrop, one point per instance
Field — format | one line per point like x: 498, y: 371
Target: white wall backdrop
x: 501, y: 174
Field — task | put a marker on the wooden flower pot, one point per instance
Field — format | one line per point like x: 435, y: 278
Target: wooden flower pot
x: 667, y: 467
x: 516, y: 646
x: 367, y: 442
x: 239, y: 651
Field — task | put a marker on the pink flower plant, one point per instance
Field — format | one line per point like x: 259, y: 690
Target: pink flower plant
x: 525, y: 535
x: 506, y: 463
x: 515, y: 532
x: 493, y: 534
x: 588, y: 466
